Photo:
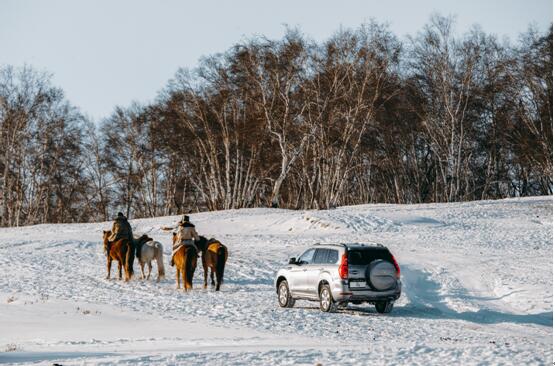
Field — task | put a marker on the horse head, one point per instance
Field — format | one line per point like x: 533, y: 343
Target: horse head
x: 140, y: 241
x: 201, y: 243
x: 105, y: 235
x: 143, y: 239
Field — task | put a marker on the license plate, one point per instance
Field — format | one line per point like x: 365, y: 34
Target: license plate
x: 357, y: 284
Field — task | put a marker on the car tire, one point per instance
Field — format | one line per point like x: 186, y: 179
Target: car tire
x: 380, y: 275
x: 327, y: 304
x: 284, y: 295
x: 384, y: 307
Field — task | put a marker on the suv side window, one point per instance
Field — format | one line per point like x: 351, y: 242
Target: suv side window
x: 306, y: 257
x: 321, y: 256
x: 333, y: 256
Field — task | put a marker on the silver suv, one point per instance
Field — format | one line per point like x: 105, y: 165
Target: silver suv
x: 338, y: 274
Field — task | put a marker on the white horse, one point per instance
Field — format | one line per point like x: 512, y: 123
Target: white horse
x: 148, y: 250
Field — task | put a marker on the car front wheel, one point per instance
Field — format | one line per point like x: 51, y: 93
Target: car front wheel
x: 284, y: 296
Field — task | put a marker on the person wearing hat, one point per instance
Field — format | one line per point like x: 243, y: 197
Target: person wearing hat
x: 183, y: 220
x: 121, y: 229
x: 186, y: 235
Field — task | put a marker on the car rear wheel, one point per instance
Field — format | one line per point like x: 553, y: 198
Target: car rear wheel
x: 327, y: 304
x: 384, y: 307
x: 342, y: 305
x: 284, y: 296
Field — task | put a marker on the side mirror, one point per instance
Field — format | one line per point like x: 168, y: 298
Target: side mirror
x: 293, y: 260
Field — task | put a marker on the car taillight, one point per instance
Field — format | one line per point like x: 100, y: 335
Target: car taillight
x: 344, y: 267
x: 397, y: 268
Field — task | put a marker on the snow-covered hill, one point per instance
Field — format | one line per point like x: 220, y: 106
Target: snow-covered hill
x: 477, y: 289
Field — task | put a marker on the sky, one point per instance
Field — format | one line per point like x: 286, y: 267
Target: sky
x: 106, y: 53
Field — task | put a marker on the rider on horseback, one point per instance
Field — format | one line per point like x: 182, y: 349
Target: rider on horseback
x: 121, y: 229
x: 186, y: 235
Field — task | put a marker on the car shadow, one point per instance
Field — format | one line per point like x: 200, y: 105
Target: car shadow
x: 425, y: 301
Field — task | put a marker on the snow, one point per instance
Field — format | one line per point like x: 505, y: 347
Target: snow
x: 477, y: 280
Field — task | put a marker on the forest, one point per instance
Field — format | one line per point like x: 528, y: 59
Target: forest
x: 362, y: 117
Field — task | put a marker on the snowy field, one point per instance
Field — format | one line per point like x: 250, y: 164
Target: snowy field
x: 477, y: 290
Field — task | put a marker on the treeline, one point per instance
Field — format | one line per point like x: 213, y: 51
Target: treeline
x: 362, y: 117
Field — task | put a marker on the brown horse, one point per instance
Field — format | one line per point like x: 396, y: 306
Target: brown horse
x: 185, y: 260
x: 214, y: 256
x: 120, y: 250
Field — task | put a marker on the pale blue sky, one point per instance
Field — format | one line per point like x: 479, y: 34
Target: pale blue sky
x: 107, y: 53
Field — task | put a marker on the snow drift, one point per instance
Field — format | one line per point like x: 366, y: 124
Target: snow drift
x: 477, y: 288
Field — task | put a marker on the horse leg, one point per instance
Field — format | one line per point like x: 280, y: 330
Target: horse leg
x: 212, y: 277
x: 108, y: 266
x: 185, y: 283
x: 205, y: 267
x: 142, y: 269
x: 119, y: 268
x: 177, y: 274
x: 149, y: 269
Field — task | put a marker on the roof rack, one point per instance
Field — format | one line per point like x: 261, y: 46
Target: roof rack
x: 365, y: 244
x: 345, y: 245
x: 333, y: 244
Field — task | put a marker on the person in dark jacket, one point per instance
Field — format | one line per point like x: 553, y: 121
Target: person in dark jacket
x: 121, y: 229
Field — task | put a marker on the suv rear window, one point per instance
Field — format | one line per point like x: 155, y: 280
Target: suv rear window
x: 360, y: 257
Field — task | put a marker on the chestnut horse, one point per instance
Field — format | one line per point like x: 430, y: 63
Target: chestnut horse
x: 120, y: 250
x: 214, y: 256
x: 185, y: 260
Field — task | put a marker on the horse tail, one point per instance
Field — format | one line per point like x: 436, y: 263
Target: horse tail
x: 191, y: 253
x: 138, y: 249
x: 220, y: 265
x: 130, y: 258
x: 160, y: 259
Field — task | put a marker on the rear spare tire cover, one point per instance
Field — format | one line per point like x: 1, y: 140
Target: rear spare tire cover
x: 380, y: 275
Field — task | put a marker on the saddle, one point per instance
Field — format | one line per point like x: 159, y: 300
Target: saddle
x: 183, y: 244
